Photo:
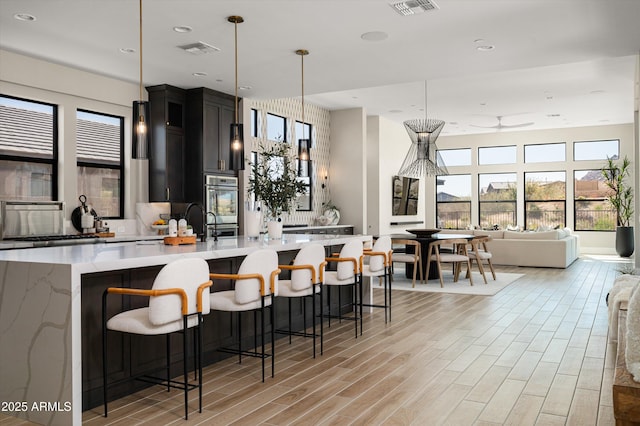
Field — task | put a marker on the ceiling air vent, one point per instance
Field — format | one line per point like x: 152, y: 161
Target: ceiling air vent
x: 412, y: 7
x: 199, y: 48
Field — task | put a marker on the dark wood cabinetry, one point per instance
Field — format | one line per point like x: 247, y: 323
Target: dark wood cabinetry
x: 167, y: 143
x: 209, y: 115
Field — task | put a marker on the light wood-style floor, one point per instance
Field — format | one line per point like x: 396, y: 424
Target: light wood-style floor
x: 536, y: 353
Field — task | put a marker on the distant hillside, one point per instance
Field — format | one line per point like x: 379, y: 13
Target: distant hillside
x: 593, y: 175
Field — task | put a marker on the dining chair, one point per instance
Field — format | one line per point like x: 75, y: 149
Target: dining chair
x: 480, y: 253
x: 307, y: 274
x: 178, y: 299
x: 414, y: 258
x: 348, y: 273
x: 379, y: 265
x: 457, y: 257
x: 256, y: 284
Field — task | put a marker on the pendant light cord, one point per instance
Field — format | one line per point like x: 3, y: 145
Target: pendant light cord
x: 303, y: 125
x: 140, y: 50
x: 235, y: 25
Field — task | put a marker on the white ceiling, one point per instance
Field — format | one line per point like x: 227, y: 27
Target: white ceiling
x: 558, y: 63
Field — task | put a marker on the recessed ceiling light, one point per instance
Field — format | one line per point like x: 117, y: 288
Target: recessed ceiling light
x: 553, y: 115
x: 597, y: 92
x: 483, y: 104
x: 127, y: 50
x: 245, y: 87
x: 24, y: 17
x: 395, y: 111
x: 453, y: 123
x: 374, y: 36
x: 485, y: 48
x: 549, y: 97
x: 478, y: 40
x: 219, y: 80
x: 182, y: 29
x: 199, y: 74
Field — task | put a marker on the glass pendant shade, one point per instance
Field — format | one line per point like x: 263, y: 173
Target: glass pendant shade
x: 236, y: 161
x: 422, y: 158
x: 303, y: 156
x: 140, y: 130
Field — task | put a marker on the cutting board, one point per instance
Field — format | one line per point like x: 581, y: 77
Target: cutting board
x: 174, y: 241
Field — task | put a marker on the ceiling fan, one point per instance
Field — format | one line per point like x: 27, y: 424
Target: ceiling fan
x: 501, y: 126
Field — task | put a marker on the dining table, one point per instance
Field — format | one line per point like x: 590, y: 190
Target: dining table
x: 425, y: 239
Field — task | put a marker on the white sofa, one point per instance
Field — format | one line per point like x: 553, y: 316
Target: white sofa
x: 557, y: 248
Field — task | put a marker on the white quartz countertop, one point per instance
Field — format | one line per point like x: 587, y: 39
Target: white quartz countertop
x: 112, y: 256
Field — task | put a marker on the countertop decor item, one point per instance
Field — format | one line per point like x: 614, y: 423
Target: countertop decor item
x: 274, y: 180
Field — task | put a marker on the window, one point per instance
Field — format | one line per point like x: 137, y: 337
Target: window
x: 497, y: 155
x: 545, y: 153
x: 454, y: 157
x: 453, y: 201
x: 276, y: 128
x: 303, y: 201
x: 99, y: 152
x: 304, y: 131
x: 596, y: 150
x: 545, y: 200
x: 28, y: 150
x: 592, y: 210
x: 255, y: 124
x: 498, y: 195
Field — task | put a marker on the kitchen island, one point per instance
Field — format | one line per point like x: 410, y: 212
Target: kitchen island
x: 41, y: 312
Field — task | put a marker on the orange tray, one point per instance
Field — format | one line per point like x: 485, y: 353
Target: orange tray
x: 174, y: 241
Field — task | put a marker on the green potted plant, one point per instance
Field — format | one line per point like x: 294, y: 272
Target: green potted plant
x: 620, y: 196
x: 275, y: 183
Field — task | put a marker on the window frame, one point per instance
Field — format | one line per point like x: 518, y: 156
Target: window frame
x: 460, y: 202
x: 110, y: 166
x: 539, y: 201
x: 53, y: 161
x: 514, y: 201
x: 576, y: 201
x: 284, y: 128
x: 575, y: 143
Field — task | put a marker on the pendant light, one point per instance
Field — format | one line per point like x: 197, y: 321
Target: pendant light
x: 423, y: 158
x: 304, y: 143
x: 237, y: 138
x: 139, y: 130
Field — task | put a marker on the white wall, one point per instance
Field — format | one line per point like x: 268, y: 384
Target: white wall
x: 72, y: 89
x: 347, y: 168
x: 387, y: 146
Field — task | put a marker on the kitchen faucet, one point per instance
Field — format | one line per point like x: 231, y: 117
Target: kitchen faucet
x: 203, y: 236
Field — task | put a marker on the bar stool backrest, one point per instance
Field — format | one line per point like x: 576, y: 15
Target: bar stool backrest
x: 352, y: 249
x: 313, y: 255
x: 383, y: 245
x: 262, y: 262
x: 187, y: 274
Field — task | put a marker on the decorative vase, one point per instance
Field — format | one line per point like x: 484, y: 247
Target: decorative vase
x: 333, y: 215
x: 274, y: 228
x: 624, y: 241
x: 252, y: 219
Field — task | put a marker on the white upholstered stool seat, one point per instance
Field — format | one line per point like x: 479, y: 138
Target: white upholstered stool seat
x: 177, y: 300
x: 347, y: 273
x: 256, y: 283
x: 307, y: 274
x: 379, y: 265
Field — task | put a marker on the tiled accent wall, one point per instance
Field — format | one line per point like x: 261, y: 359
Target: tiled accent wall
x: 291, y: 108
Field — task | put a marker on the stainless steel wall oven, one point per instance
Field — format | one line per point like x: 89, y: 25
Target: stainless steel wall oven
x: 221, y: 199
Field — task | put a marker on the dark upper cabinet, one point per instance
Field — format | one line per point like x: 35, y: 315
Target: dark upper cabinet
x: 167, y: 143
x: 209, y: 115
